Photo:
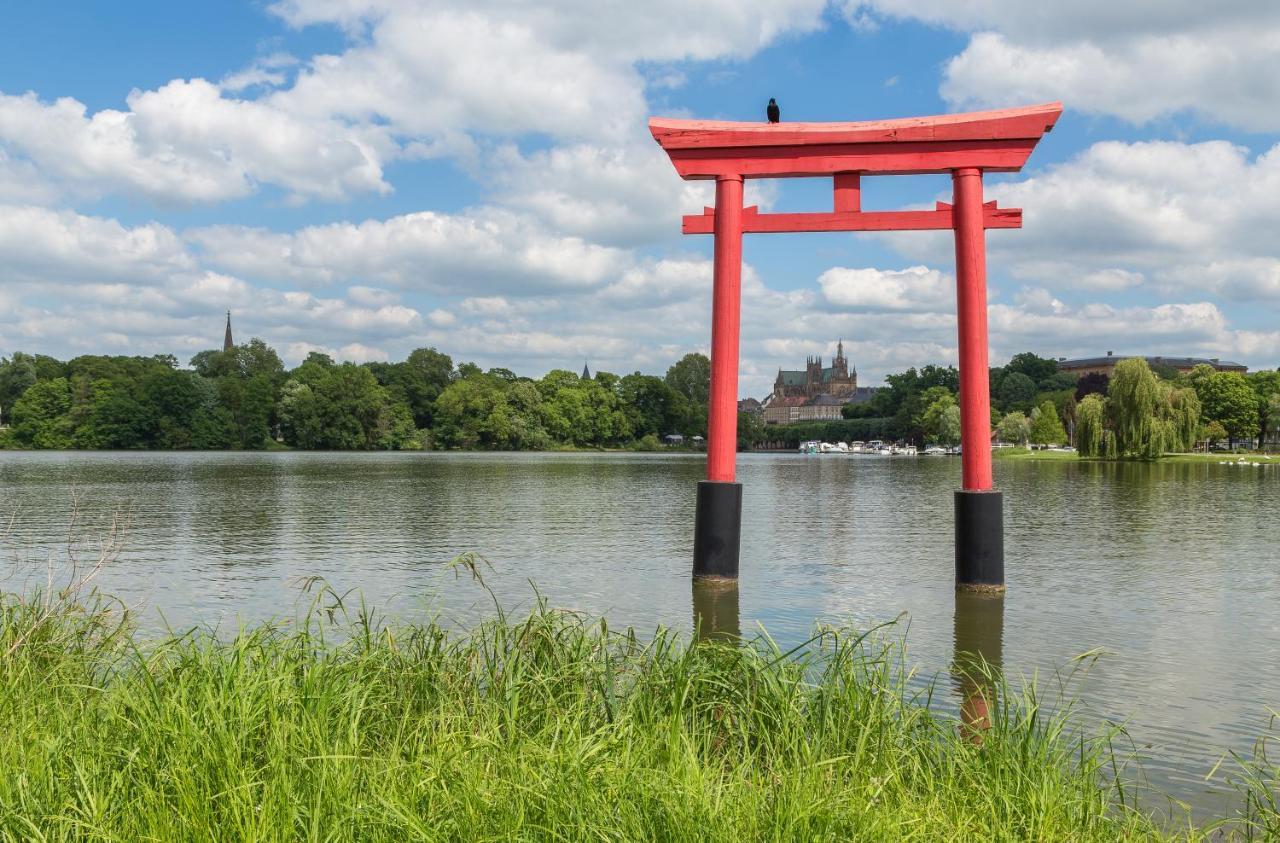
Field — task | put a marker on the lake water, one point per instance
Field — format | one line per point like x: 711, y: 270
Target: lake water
x: 1170, y: 571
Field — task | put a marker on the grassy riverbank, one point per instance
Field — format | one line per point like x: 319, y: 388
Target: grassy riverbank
x: 545, y: 728
x: 1213, y: 457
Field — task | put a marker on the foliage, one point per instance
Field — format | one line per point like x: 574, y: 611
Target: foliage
x: 941, y: 419
x: 1227, y: 398
x: 1090, y: 420
x: 546, y: 727
x: 1094, y: 383
x: 1134, y: 393
x: 1017, y: 391
x: 1266, y: 385
x: 243, y: 398
x: 1213, y: 432
x: 1148, y: 417
x: 690, y: 378
x: 1046, y: 427
x: 1014, y: 428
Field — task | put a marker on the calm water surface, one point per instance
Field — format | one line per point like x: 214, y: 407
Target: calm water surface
x: 1170, y: 571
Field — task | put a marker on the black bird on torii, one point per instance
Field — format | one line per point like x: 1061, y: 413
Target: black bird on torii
x: 772, y: 111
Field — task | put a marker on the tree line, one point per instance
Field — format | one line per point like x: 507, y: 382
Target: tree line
x: 245, y: 398
x: 1140, y: 412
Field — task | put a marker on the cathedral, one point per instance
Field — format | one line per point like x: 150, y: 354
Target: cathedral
x: 836, y: 380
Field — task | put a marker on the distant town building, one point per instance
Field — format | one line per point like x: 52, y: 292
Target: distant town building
x: 751, y: 406
x: 1106, y: 365
x: 814, y: 380
x: 227, y: 344
x: 815, y: 393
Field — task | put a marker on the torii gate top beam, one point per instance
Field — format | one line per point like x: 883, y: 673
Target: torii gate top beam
x: 993, y: 141
x: 990, y: 141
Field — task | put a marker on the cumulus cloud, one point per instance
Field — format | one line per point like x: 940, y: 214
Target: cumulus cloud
x: 186, y: 142
x: 1172, y: 217
x: 42, y: 244
x: 917, y: 288
x: 489, y: 249
x: 1138, y: 61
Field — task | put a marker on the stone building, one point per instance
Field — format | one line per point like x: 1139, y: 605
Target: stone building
x: 837, y: 379
x: 1107, y: 365
x: 816, y: 392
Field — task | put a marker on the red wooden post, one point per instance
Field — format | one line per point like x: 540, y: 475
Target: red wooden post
x: 718, y: 520
x: 726, y: 313
x: 971, y: 313
x: 848, y: 193
x: 979, y: 508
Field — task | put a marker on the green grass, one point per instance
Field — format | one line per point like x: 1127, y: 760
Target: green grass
x: 1040, y: 456
x: 545, y: 728
x: 1070, y: 456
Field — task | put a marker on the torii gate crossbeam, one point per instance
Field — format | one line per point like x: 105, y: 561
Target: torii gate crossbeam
x: 962, y: 145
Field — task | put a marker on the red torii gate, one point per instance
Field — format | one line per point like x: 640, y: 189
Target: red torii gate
x: 964, y: 145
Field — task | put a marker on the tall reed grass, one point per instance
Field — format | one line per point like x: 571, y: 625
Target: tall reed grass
x: 546, y: 727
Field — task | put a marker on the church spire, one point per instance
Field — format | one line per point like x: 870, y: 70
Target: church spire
x: 227, y: 343
x: 586, y: 373
x: 840, y: 350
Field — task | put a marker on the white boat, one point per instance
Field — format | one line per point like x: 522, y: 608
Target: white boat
x: 857, y: 447
x: 905, y: 450
x: 810, y: 447
x: 935, y: 451
x: 828, y: 448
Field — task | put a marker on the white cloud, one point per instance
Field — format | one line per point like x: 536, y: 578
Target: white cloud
x: 38, y: 243
x: 490, y: 249
x: 1136, y: 60
x: 360, y: 353
x: 1188, y: 219
x: 186, y: 142
x: 917, y: 288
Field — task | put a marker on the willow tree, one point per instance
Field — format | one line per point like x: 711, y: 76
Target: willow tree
x: 1090, y: 420
x: 1184, y: 413
x: 1133, y: 397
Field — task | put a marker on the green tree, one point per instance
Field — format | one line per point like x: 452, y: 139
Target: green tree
x: 40, y: 415
x: 1046, y: 427
x: 941, y: 419
x: 1017, y: 391
x: 1134, y: 394
x: 1014, y: 428
x: 1227, y: 398
x: 1212, y: 432
x: 1090, y: 422
x: 1035, y: 367
x: 1266, y: 385
x: 17, y: 375
x: 690, y: 377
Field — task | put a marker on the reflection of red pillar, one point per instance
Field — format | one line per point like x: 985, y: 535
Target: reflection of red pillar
x: 722, y: 420
x: 979, y: 508
x: 971, y: 310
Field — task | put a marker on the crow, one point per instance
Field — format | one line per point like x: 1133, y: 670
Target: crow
x: 772, y: 111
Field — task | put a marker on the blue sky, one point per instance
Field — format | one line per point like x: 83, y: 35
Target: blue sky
x: 369, y: 176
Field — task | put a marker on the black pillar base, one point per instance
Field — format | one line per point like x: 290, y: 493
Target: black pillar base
x: 717, y: 530
x: 980, y: 541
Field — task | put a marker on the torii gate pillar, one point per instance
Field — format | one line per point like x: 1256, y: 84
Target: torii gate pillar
x: 961, y: 145
x: 979, y: 508
x: 717, y: 526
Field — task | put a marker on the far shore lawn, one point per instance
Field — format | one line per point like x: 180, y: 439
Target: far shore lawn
x: 1213, y: 457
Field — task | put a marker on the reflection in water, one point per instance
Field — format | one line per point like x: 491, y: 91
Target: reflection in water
x: 979, y: 658
x: 715, y: 610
